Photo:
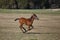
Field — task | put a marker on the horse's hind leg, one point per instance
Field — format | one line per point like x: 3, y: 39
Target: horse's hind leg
x: 21, y: 27
x: 24, y: 30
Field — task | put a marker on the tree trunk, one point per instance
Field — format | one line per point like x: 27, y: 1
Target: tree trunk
x: 16, y: 4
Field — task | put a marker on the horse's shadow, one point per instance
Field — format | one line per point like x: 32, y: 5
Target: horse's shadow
x: 39, y: 33
x: 33, y: 33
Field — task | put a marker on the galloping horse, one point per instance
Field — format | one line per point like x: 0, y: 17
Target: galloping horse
x: 27, y: 21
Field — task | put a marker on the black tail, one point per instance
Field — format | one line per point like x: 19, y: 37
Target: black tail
x: 16, y: 19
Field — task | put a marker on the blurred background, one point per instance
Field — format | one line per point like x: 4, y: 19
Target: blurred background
x: 29, y: 4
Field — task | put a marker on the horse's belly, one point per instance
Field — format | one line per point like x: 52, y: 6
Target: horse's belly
x: 28, y: 23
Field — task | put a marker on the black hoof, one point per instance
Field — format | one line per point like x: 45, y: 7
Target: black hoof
x: 25, y: 32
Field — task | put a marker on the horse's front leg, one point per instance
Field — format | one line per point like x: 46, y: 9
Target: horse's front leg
x: 30, y: 27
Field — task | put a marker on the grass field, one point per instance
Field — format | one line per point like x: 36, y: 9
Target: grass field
x: 46, y: 28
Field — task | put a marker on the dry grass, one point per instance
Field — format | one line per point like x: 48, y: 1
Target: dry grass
x: 47, y: 28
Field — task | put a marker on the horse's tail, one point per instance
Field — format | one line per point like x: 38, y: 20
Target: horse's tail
x: 16, y: 19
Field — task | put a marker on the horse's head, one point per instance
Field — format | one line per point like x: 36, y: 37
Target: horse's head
x: 35, y: 16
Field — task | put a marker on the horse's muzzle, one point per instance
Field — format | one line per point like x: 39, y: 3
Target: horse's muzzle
x: 37, y: 18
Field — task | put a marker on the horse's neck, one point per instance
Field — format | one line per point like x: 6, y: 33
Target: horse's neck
x: 31, y: 18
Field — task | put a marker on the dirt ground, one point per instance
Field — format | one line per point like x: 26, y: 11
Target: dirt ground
x: 46, y: 28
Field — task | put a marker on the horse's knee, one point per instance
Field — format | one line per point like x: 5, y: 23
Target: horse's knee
x: 29, y: 28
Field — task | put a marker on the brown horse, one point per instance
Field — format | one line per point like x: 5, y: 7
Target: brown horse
x: 27, y: 21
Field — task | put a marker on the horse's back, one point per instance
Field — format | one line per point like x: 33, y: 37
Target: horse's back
x: 25, y: 21
x: 22, y: 20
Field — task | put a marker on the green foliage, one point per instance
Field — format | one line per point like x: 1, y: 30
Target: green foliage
x: 37, y: 11
x: 7, y: 3
x: 21, y: 3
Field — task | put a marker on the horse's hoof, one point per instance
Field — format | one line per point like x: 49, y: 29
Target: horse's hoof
x: 25, y: 32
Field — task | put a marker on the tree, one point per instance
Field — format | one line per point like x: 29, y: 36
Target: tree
x: 47, y: 4
x: 16, y: 4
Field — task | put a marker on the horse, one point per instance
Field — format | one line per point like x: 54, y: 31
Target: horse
x: 27, y: 21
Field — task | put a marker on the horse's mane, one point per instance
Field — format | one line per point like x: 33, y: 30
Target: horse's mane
x: 31, y: 17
